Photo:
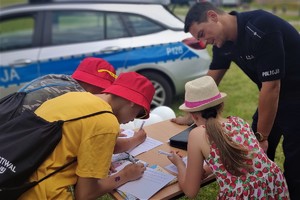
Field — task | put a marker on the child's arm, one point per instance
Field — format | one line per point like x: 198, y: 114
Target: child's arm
x: 207, y: 171
x: 190, y: 176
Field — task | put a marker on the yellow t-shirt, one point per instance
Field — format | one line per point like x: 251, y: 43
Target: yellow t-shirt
x: 91, y: 140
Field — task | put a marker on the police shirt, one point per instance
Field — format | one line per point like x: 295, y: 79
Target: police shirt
x: 267, y: 48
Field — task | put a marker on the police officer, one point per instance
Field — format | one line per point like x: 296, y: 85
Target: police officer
x: 267, y: 49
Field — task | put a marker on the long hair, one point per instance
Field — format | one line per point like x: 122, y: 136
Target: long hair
x: 232, y: 154
x: 197, y: 13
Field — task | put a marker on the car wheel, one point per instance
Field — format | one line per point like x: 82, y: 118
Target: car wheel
x: 163, y: 92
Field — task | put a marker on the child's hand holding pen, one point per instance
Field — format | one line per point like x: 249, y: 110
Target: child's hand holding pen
x: 139, y: 136
x: 174, y: 157
x: 135, y: 160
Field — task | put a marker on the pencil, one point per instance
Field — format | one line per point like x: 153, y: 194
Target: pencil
x: 164, y: 153
x: 142, y: 125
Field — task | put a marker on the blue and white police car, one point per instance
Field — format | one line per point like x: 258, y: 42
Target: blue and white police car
x: 143, y: 36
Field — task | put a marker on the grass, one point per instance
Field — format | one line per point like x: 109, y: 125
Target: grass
x: 4, y: 3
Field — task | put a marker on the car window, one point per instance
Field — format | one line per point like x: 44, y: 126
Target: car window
x: 85, y: 26
x: 16, y: 33
x: 77, y: 26
x: 139, y: 25
x: 115, y: 27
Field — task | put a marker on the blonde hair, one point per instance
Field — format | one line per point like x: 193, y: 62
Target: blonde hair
x: 232, y: 154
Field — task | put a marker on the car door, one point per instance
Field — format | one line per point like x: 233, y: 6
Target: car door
x: 72, y: 35
x: 19, y: 49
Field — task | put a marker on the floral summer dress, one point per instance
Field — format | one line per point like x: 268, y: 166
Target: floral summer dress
x: 264, y: 181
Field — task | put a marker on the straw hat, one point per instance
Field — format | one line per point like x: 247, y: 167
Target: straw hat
x: 135, y: 88
x: 95, y: 71
x: 200, y: 94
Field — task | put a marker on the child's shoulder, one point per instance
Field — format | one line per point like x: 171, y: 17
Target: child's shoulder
x: 235, y: 119
x: 197, y: 132
x: 199, y: 129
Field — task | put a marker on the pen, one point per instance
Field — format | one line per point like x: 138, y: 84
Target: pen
x: 131, y: 158
x: 142, y: 125
x: 164, y: 153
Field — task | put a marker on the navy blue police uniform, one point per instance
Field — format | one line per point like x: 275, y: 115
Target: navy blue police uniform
x: 267, y: 49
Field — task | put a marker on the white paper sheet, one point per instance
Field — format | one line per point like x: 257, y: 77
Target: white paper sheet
x: 173, y: 168
x: 147, y: 145
x: 150, y: 183
x: 128, y: 133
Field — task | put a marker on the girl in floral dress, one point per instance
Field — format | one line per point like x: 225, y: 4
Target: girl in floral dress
x: 228, y: 146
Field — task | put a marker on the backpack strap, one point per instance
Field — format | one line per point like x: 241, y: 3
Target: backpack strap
x: 73, y: 161
x: 17, y: 191
x: 89, y: 115
x: 58, y: 170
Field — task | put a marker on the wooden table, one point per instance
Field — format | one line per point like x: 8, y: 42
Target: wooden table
x: 162, y: 131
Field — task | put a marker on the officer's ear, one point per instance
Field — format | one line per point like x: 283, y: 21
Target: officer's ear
x: 212, y: 16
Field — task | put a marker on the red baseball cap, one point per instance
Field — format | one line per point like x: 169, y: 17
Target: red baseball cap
x: 135, y: 88
x: 95, y: 71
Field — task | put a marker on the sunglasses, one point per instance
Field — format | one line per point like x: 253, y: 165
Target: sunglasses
x: 142, y: 114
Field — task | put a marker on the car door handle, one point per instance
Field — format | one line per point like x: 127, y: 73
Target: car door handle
x: 110, y: 49
x: 21, y: 62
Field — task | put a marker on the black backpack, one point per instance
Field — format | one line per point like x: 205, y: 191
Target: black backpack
x: 25, y: 142
x: 10, y: 106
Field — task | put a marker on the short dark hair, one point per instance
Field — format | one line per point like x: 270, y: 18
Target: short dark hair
x: 197, y: 13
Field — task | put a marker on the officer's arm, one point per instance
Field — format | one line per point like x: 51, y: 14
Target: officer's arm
x: 267, y: 107
x: 217, y: 75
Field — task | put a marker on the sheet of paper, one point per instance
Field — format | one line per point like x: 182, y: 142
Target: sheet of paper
x: 119, y: 165
x: 173, y: 168
x: 128, y: 133
x: 126, y: 196
x: 150, y: 183
x: 147, y: 145
x: 161, y: 169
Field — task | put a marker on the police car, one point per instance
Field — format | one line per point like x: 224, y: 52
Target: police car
x: 143, y: 36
